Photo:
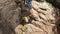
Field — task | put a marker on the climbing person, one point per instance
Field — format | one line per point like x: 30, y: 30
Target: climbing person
x: 32, y: 12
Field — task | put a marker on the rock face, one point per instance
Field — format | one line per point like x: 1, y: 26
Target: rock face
x: 56, y: 3
x: 14, y: 20
x: 9, y: 16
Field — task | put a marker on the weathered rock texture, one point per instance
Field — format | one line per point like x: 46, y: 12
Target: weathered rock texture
x: 14, y: 20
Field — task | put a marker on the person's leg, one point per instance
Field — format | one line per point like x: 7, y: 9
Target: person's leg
x: 29, y: 4
x: 32, y: 12
x: 34, y: 15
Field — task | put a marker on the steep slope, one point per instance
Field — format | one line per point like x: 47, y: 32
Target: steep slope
x: 17, y: 20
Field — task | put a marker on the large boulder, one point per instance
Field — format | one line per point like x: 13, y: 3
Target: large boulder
x: 14, y: 20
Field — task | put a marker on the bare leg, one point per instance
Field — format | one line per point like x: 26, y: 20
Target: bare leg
x: 31, y: 12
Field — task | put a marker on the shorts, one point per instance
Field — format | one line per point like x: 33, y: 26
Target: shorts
x: 29, y: 3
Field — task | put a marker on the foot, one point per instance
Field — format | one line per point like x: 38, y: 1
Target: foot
x: 35, y: 18
x: 34, y: 15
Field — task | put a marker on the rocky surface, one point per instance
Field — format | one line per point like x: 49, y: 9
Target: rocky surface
x: 56, y: 3
x: 14, y: 20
